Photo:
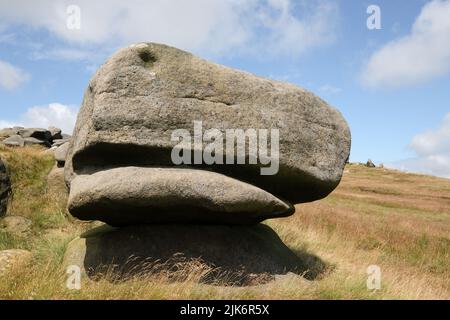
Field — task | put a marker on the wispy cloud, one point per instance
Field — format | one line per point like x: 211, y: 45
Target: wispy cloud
x: 62, y: 54
x: 433, y: 152
x: 266, y: 27
x: 419, y: 57
x: 11, y: 77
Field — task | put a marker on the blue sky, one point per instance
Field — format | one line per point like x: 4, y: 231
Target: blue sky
x: 392, y: 85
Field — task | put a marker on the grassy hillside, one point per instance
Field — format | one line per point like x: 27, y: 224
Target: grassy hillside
x: 398, y: 221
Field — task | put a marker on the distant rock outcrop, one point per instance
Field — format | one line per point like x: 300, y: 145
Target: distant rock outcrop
x: 370, y: 164
x: 20, y: 137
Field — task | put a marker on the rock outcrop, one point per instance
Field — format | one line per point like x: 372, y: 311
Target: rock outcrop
x: 144, y: 107
x: 20, y: 137
x: 5, y: 188
x: 8, y: 132
x: 370, y: 164
x: 145, y: 92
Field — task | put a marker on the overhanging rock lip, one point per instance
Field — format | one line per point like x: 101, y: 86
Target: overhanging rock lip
x: 293, y: 184
x: 128, y: 195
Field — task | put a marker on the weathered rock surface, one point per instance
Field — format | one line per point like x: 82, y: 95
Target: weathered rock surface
x: 38, y: 133
x: 18, y: 141
x: 29, y: 141
x: 146, y: 91
x: 14, y: 141
x: 61, y: 153
x: 5, y: 188
x: 60, y: 142
x: 56, y: 133
x: 245, y: 254
x: 8, y: 132
x: 132, y: 195
x: 13, y: 258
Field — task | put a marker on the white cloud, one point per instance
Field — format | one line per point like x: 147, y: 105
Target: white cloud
x: 6, y: 124
x: 63, y: 54
x: 54, y: 114
x: 421, y: 56
x: 434, y: 141
x: 12, y: 77
x: 433, y: 152
x: 268, y: 27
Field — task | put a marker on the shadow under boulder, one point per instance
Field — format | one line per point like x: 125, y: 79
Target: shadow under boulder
x: 221, y: 255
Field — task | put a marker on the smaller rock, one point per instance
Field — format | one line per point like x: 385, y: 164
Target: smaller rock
x: 34, y: 141
x: 59, y: 142
x: 14, y: 141
x: 13, y: 258
x: 370, y: 164
x: 38, y: 133
x: 61, y: 153
x: 8, y: 132
x: 16, y: 224
x: 55, y: 132
x: 140, y: 195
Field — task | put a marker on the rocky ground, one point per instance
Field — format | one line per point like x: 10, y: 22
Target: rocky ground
x: 399, y: 222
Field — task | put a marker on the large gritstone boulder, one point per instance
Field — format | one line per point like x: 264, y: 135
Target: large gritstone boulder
x: 146, y: 103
